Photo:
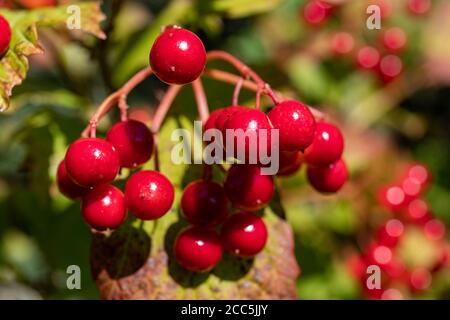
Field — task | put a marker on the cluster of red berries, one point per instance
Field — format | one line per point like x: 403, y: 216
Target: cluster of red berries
x: 91, y: 165
x: 400, y: 275
x: 206, y: 204
x: 384, y: 57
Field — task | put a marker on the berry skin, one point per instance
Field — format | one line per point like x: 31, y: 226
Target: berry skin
x: 327, y: 146
x: 328, y: 179
x: 104, y: 207
x: 225, y: 115
x: 149, y: 195
x: 389, y: 234
x: 394, y: 39
x: 385, y: 6
x: 198, y: 249
x: 92, y: 161
x: 256, y: 144
x: 418, y: 7
x: 295, y: 123
x: 316, y: 12
x: 177, y: 56
x: 211, y: 122
x: 66, y: 185
x: 342, y: 43
x: 390, y: 67
x: 290, y: 162
x: 244, y: 234
x: 204, y: 203
x: 134, y: 142
x: 391, y: 197
x: 5, y: 35
x: 368, y: 57
x: 247, y: 188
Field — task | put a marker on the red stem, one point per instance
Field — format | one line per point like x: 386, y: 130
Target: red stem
x: 112, y: 99
x: 237, y: 91
x: 164, y: 107
x: 250, y: 85
x: 200, y: 98
x: 244, y: 70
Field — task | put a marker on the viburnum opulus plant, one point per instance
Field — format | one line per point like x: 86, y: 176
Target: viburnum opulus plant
x: 223, y: 216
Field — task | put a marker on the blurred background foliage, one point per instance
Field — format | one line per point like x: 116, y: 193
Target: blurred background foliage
x: 386, y: 124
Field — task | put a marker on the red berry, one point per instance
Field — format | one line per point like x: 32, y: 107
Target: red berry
x: 390, y: 67
x: 66, y: 185
x: 198, y: 249
x: 244, y: 234
x: 417, y: 212
x: 392, y: 197
x: 5, y: 35
x: 419, y: 7
x: 385, y: 7
x: 204, y: 203
x: 327, y: 146
x: 251, y: 130
x: 247, y: 188
x: 329, y: 178
x: 295, y: 123
x: 342, y: 43
x: 149, y: 195
x: 394, y: 38
x: 177, y: 56
x: 368, y: 57
x: 390, y: 233
x: 290, y: 162
x: 434, y: 229
x: 104, y: 207
x: 134, y: 142
x: 92, y: 161
x: 316, y: 12
x: 420, y: 279
x: 419, y: 173
x: 392, y: 294
x: 379, y: 254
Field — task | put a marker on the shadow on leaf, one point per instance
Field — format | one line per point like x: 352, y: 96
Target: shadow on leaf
x: 232, y: 268
x: 120, y: 254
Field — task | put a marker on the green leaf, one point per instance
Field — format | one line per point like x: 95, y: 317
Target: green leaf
x: 24, y: 42
x: 242, y: 8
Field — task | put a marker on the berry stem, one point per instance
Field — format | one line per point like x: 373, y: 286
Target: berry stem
x: 164, y: 107
x: 119, y: 95
x: 200, y: 98
x: 230, y: 78
x: 244, y: 70
x: 237, y: 91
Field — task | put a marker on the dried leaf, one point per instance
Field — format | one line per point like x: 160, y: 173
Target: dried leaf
x: 24, y: 42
